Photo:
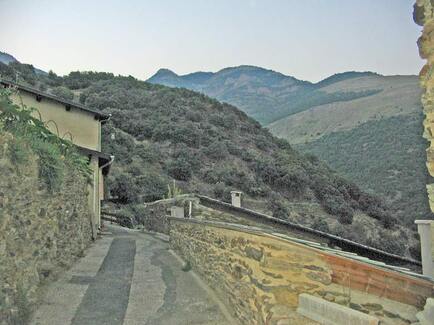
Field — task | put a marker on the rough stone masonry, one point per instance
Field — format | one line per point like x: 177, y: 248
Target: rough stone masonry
x: 40, y: 232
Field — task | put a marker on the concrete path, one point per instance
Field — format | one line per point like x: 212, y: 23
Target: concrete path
x: 130, y: 278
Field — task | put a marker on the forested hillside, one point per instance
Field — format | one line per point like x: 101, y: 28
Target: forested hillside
x: 385, y: 157
x: 159, y: 134
x: 333, y: 119
x: 375, y: 141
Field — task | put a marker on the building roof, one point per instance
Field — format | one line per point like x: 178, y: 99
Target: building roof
x: 98, y: 115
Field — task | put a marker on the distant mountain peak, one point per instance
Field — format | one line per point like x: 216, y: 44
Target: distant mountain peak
x: 6, y: 58
x: 344, y: 76
x: 164, y: 72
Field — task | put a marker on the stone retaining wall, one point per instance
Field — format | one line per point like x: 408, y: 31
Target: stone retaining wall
x: 260, y: 276
x: 155, y: 214
x: 254, y: 218
x: 40, y: 232
x: 424, y: 16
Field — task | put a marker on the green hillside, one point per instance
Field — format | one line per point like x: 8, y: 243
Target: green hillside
x: 396, y: 95
x: 159, y: 134
x: 324, y: 118
x: 375, y: 141
x: 386, y: 157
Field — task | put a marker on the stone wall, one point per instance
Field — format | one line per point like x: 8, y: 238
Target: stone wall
x: 40, y: 232
x: 259, y: 276
x: 224, y: 212
x: 424, y: 16
x: 155, y: 214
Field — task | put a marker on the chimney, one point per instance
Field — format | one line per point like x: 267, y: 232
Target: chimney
x: 425, y: 228
x: 236, y: 198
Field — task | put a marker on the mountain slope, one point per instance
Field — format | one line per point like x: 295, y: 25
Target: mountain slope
x: 385, y: 156
x: 375, y: 141
x: 397, y: 95
x: 322, y: 118
x: 159, y: 134
x: 7, y: 58
x: 265, y: 95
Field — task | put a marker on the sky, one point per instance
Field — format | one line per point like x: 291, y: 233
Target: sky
x: 307, y: 39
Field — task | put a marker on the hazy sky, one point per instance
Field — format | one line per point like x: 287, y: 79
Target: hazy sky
x: 308, y: 39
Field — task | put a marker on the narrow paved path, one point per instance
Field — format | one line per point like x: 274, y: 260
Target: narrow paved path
x: 130, y: 278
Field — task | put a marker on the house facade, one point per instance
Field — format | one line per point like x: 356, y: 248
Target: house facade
x: 78, y: 124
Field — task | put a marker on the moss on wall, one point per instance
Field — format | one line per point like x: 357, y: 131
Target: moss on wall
x: 41, y: 230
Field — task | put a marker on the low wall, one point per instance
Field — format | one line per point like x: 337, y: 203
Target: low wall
x: 40, y: 232
x: 250, y: 217
x: 260, y: 276
x: 155, y: 214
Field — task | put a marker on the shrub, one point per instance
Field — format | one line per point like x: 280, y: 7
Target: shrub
x: 390, y: 243
x: 18, y: 152
x: 294, y: 182
x: 335, y: 205
x: 180, y: 169
x: 124, y: 188
x: 147, y: 152
x: 63, y: 93
x: 50, y: 164
x: 278, y: 206
x: 345, y: 216
x: 222, y: 192
x: 151, y: 185
x: 320, y: 224
x: 216, y: 151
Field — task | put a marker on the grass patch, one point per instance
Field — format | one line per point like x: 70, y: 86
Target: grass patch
x: 24, y: 307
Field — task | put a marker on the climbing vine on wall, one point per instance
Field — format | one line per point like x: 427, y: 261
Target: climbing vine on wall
x: 53, y: 152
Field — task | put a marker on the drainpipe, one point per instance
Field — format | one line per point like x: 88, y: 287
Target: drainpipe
x: 106, y: 119
x: 425, y: 229
x: 112, y: 158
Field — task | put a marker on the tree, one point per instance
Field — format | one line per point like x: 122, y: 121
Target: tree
x: 63, y: 93
x: 124, y: 188
x: 180, y: 169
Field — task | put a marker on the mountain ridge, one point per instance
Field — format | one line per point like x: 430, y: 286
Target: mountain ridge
x: 264, y: 94
x: 350, y: 73
x: 6, y: 58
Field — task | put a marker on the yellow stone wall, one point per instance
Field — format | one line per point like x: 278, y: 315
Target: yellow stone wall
x: 259, y: 276
x: 41, y: 231
x: 424, y: 16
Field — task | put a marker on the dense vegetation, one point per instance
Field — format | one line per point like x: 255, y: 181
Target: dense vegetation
x: 29, y: 132
x: 399, y: 158
x: 158, y: 134
x: 263, y: 94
